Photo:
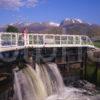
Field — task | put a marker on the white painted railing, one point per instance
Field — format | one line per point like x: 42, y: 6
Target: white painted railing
x: 18, y: 40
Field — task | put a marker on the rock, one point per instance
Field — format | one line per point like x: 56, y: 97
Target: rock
x: 83, y: 84
x: 89, y: 86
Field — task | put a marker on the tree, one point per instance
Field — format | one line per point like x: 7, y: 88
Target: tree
x: 11, y: 28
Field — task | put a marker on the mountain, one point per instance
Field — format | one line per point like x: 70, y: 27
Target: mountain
x: 76, y: 26
x: 3, y: 28
x: 35, y: 27
x: 67, y: 26
x: 68, y: 21
x: 53, y: 24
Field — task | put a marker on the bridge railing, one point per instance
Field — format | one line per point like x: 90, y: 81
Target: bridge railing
x: 59, y: 40
x: 8, y: 39
x: 41, y: 40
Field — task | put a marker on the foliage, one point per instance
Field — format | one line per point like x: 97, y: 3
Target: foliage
x: 11, y: 28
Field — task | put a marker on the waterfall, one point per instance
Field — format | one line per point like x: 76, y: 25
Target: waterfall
x: 51, y: 77
x: 38, y: 84
x: 58, y: 78
x: 45, y: 77
x: 29, y: 85
x: 17, y: 88
x: 43, y: 83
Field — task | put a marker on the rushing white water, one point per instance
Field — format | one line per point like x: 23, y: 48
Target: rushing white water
x: 17, y: 88
x: 43, y: 83
x: 45, y: 77
x: 69, y: 93
x: 29, y: 85
x: 51, y: 77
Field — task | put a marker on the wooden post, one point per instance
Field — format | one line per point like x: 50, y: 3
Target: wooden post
x: 67, y: 56
x: 85, y: 63
x: 82, y: 65
x: 81, y: 70
x: 96, y: 73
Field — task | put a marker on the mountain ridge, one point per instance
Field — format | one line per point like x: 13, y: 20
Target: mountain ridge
x: 67, y: 26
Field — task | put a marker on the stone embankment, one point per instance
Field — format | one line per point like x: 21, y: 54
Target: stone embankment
x: 94, y: 54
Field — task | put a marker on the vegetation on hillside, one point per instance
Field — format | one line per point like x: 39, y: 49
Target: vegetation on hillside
x: 11, y: 28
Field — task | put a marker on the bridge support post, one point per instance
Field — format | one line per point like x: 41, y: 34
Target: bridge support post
x: 82, y: 65
x: 29, y: 59
x: 85, y: 63
x: 96, y: 73
x: 81, y: 70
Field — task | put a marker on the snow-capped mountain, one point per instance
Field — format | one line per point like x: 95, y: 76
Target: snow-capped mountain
x: 69, y: 21
x: 70, y: 26
x: 79, y: 20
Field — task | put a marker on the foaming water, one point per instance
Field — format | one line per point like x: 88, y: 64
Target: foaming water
x: 51, y: 77
x: 29, y: 86
x: 43, y: 83
x: 17, y: 88
x: 45, y: 77
x: 69, y: 94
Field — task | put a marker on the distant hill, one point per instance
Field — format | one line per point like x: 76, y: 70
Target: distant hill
x: 34, y: 27
x: 77, y: 26
x: 67, y: 26
x: 3, y: 28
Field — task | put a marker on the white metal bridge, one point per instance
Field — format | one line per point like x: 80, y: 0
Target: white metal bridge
x: 16, y: 41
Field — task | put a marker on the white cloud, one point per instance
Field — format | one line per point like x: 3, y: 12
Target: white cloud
x: 16, y: 4
x: 10, y: 4
x: 31, y: 3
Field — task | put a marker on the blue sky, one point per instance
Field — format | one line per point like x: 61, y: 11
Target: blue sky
x: 12, y: 11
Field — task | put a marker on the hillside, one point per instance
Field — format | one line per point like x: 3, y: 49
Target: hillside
x: 67, y: 26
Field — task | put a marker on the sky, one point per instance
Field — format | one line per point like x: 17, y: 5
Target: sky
x: 12, y: 11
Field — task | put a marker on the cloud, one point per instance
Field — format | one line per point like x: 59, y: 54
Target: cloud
x: 31, y: 3
x: 16, y: 4
x: 10, y: 4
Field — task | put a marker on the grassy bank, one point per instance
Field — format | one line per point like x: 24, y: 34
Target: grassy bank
x: 97, y: 44
x: 91, y: 75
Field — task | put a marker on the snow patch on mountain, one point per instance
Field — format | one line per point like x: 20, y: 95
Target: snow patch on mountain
x: 54, y: 24
x: 79, y: 20
x: 74, y: 20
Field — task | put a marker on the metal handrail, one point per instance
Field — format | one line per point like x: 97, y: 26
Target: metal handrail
x: 43, y: 39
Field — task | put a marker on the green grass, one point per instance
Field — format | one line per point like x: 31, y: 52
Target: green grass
x: 97, y: 44
x: 91, y: 75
